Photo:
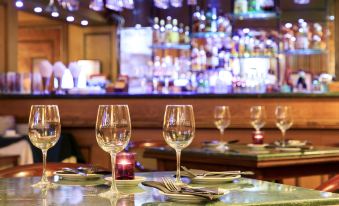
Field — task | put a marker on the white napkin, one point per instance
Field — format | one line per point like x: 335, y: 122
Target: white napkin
x: 59, y: 69
x: 75, y: 69
x: 45, y: 68
x: 20, y: 148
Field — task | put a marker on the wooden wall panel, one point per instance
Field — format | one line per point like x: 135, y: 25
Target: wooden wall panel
x: 96, y: 46
x: 38, y: 42
x: 2, y: 38
x: 97, y: 43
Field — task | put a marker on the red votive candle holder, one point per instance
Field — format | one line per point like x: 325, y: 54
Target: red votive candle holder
x: 124, y: 167
x: 258, y: 137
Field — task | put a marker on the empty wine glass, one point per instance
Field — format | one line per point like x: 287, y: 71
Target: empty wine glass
x: 44, y: 131
x: 222, y: 119
x: 258, y: 117
x: 178, y: 130
x: 113, y: 132
x: 284, y: 121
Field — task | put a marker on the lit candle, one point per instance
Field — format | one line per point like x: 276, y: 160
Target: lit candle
x: 258, y: 137
x: 124, y: 168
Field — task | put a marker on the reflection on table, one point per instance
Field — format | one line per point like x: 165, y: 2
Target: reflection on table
x: 17, y: 191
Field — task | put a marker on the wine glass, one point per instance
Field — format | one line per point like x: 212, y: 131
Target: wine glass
x: 222, y: 119
x: 258, y: 116
x: 44, y: 132
x: 113, y: 132
x: 178, y: 130
x: 284, y: 121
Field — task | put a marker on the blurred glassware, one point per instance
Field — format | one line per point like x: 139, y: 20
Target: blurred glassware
x: 258, y: 117
x: 116, y: 5
x: 284, y: 121
x: 161, y: 4
x: 128, y: 4
x: 222, y: 119
x: 176, y: 3
x: 97, y: 5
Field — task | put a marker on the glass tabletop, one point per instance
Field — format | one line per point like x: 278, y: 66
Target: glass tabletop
x: 245, y: 152
x: 17, y: 191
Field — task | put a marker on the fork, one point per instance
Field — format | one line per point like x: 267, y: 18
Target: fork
x: 170, y: 185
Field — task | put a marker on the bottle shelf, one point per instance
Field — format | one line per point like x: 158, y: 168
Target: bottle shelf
x: 209, y: 34
x: 253, y: 56
x: 305, y: 52
x: 256, y: 15
x: 171, y: 46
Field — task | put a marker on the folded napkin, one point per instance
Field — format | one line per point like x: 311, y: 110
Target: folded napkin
x: 191, y: 173
x: 208, y: 193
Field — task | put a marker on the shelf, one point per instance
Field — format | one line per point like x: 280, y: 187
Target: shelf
x: 256, y: 15
x: 305, y: 52
x: 209, y: 34
x: 249, y: 57
x: 171, y: 46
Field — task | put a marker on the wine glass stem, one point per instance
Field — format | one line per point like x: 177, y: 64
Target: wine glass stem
x: 283, y: 132
x: 113, y: 185
x: 222, y: 131
x: 178, y: 152
x: 44, y: 157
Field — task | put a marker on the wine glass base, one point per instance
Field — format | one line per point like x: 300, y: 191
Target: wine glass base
x: 44, y: 185
x: 112, y: 195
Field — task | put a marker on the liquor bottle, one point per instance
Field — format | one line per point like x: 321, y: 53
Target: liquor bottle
x: 267, y: 5
x: 208, y: 52
x: 196, y: 20
x: 208, y: 23
x: 181, y: 33
x: 168, y: 29
x: 156, y: 31
x: 202, y: 58
x: 214, y: 23
x: 162, y: 35
x: 187, y: 35
x: 202, y: 22
x: 252, y: 5
x: 215, y: 57
x: 240, y: 6
x: 195, y: 63
x: 175, y: 32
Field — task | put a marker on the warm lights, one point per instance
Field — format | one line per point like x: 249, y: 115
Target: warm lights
x: 19, y: 3
x: 37, y: 9
x: 84, y: 22
x: 55, y: 14
x: 70, y: 18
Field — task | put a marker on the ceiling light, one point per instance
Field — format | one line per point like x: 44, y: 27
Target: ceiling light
x: 84, y: 22
x: 37, y: 9
x: 70, y: 18
x: 19, y: 3
x: 55, y: 14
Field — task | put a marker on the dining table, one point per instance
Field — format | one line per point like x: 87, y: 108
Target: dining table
x: 266, y: 163
x: 242, y: 191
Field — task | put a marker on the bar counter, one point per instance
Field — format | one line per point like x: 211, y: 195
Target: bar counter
x: 316, y: 116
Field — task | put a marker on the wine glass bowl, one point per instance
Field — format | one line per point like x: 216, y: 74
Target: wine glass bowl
x: 113, y: 132
x: 179, y: 130
x: 284, y: 121
x: 222, y: 119
x: 44, y: 130
x: 258, y: 117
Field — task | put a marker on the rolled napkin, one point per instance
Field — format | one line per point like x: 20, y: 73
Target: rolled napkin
x: 208, y: 193
x: 45, y: 68
x: 203, y: 173
x: 59, y: 69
